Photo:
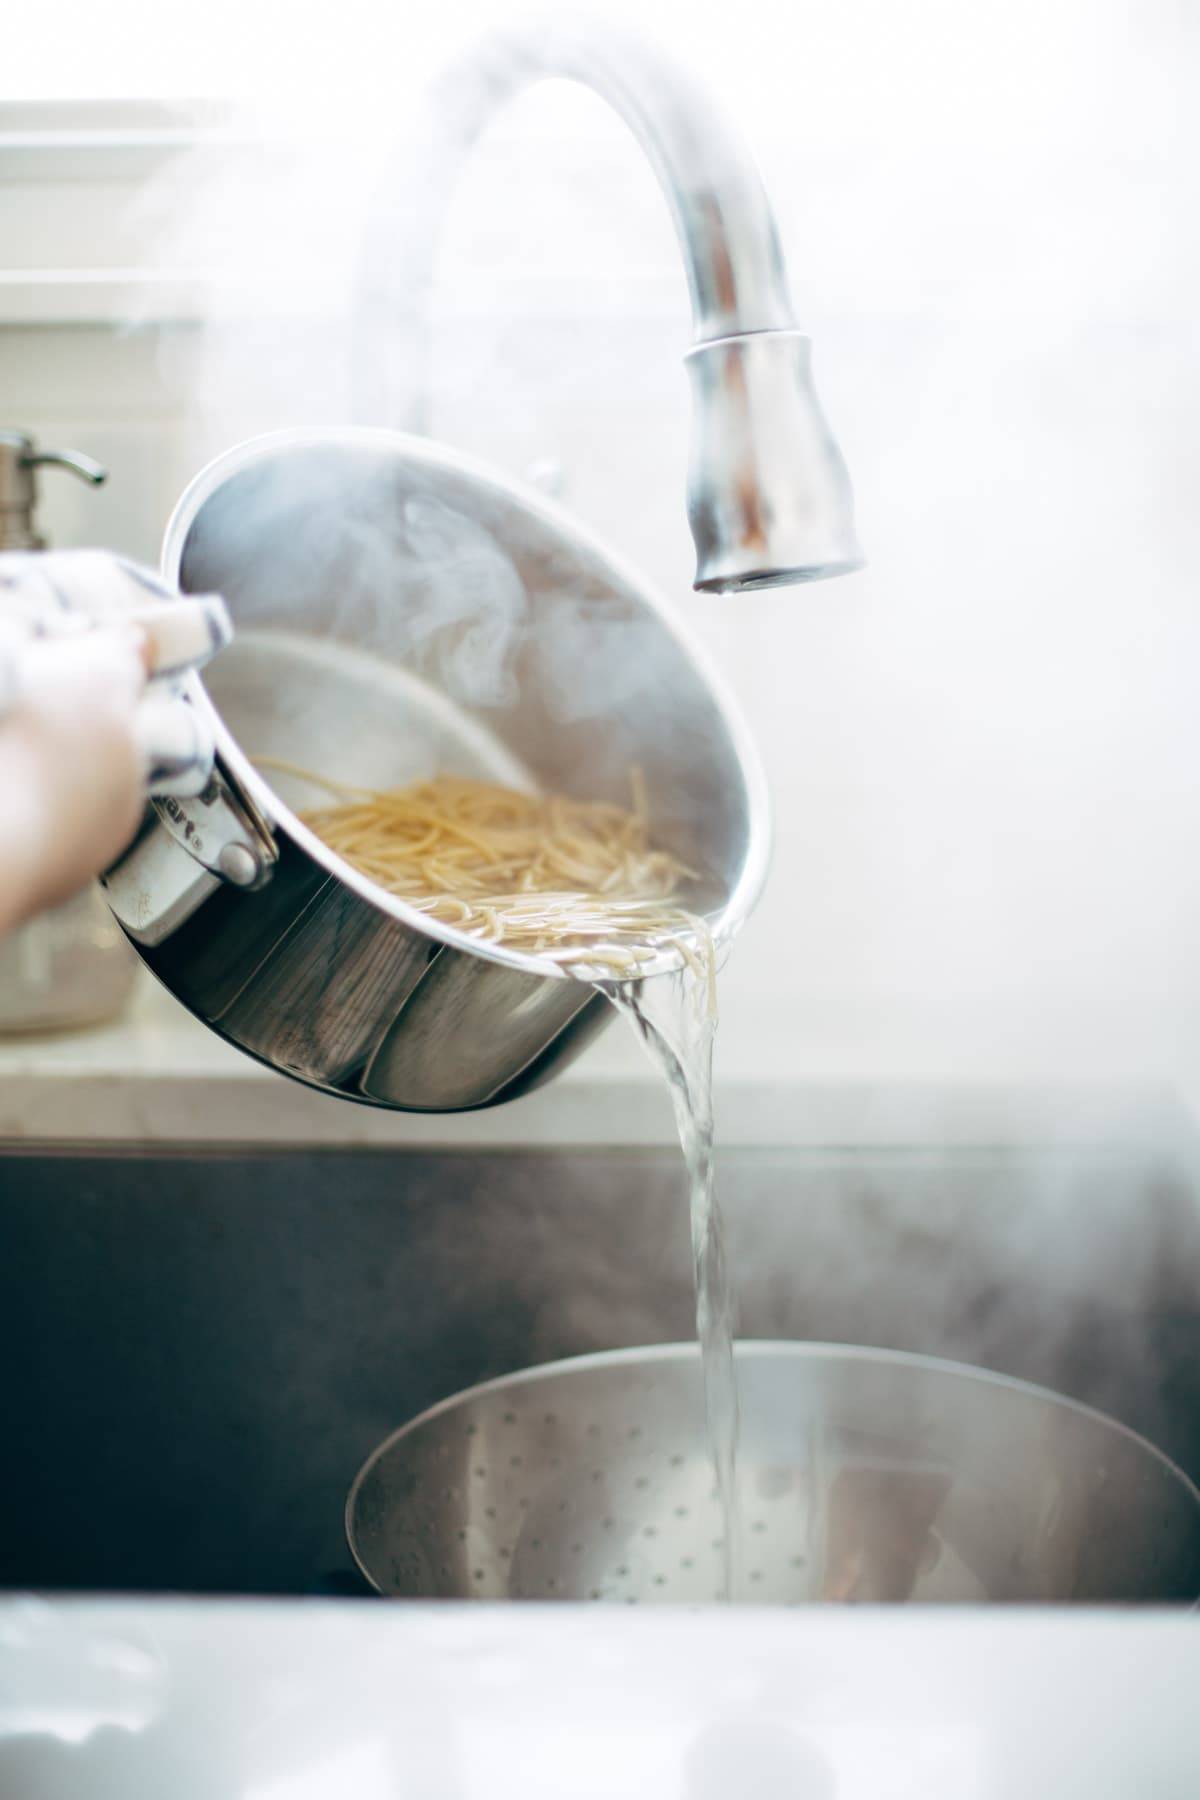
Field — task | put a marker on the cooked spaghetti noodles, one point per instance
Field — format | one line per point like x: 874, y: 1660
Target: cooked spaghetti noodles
x: 577, y: 882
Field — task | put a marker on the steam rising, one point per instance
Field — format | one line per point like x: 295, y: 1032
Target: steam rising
x: 983, y: 750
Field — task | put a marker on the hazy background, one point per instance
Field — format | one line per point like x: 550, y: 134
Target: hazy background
x: 985, y: 749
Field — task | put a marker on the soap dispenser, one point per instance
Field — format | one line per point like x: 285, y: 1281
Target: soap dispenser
x: 70, y: 967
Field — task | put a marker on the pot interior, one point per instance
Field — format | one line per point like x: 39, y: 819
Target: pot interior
x: 401, y: 612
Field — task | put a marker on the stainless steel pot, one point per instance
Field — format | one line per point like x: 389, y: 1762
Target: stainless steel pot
x: 863, y: 1475
x: 402, y: 610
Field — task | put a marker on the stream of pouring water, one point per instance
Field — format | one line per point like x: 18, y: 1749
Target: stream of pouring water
x: 675, y: 1019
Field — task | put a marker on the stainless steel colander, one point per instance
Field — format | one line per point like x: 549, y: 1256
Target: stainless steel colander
x: 863, y: 1475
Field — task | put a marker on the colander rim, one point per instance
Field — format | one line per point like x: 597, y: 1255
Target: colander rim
x: 751, y: 1349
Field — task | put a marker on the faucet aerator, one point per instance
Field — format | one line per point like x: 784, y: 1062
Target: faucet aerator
x: 769, y: 497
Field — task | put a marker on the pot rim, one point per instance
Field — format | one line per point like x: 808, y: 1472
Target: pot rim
x: 748, y: 887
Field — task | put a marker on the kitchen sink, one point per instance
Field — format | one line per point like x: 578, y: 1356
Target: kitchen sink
x: 201, y: 1346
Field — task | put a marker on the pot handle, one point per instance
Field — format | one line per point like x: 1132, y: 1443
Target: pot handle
x: 188, y: 847
x: 221, y: 829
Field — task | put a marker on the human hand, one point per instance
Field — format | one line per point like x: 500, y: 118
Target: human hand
x: 81, y: 633
x: 72, y: 771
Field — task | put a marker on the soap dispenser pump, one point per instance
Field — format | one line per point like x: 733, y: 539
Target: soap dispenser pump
x: 20, y: 460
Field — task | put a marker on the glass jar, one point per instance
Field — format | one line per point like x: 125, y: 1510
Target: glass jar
x: 66, y: 968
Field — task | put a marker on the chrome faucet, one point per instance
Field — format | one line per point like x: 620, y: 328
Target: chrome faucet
x: 769, y: 499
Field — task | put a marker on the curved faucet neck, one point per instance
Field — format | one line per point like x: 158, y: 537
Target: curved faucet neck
x: 723, y: 221
x: 768, y: 496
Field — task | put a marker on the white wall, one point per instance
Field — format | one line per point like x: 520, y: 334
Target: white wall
x: 984, y: 750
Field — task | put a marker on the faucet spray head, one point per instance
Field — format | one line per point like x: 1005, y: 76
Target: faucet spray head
x: 769, y: 497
